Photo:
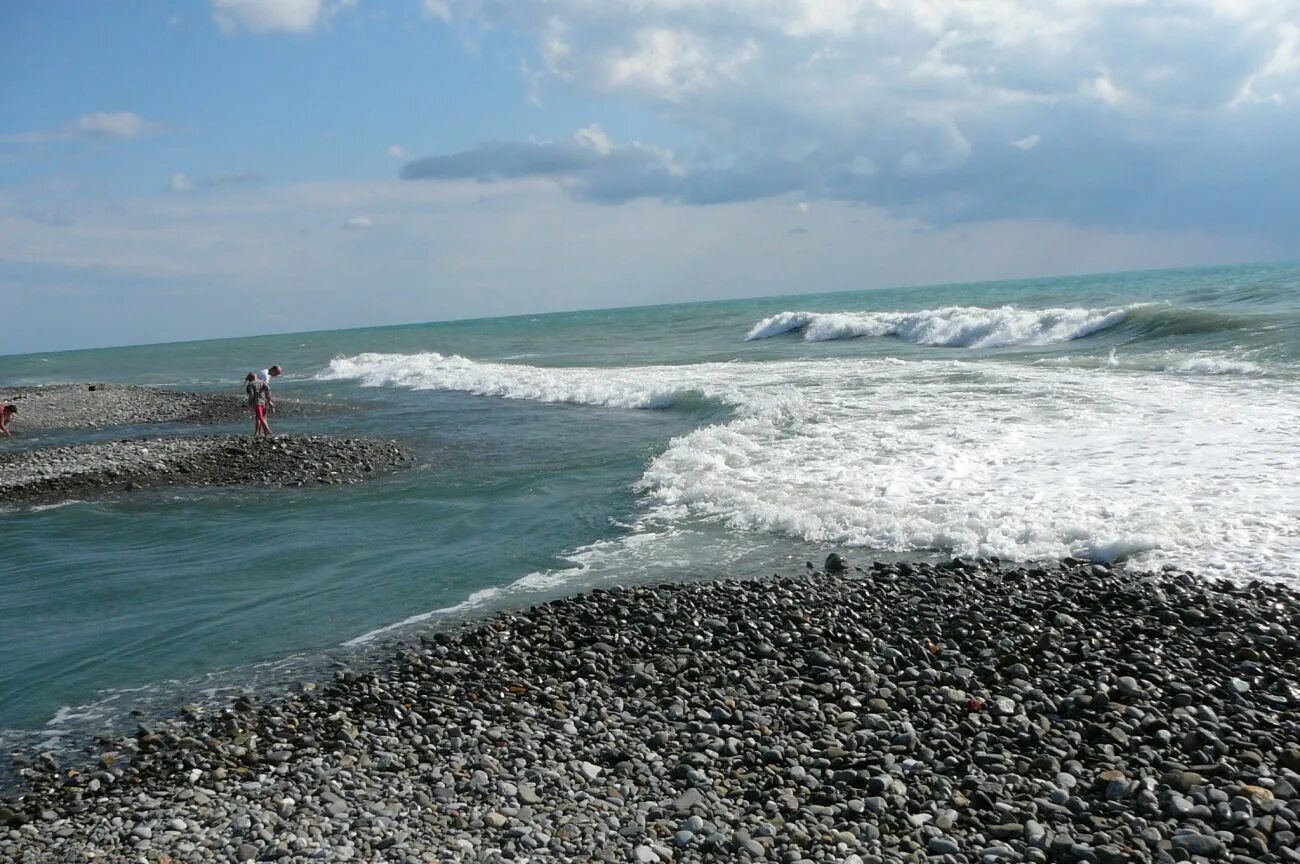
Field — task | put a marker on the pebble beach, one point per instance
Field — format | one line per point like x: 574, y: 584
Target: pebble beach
x: 581, y: 628
x: 964, y: 712
x: 54, y: 474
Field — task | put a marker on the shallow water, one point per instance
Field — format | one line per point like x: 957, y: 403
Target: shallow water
x: 1147, y: 417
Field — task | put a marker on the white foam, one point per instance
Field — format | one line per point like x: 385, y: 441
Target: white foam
x: 1007, y: 461
x: 433, y: 371
x: 473, y: 601
x: 1021, y: 462
x: 951, y: 326
x: 1210, y: 365
x: 778, y: 324
x: 1185, y: 364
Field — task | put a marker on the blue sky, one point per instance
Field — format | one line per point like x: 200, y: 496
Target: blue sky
x: 229, y: 167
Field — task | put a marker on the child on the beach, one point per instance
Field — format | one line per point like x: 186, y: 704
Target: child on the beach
x: 259, y: 396
x: 6, y: 414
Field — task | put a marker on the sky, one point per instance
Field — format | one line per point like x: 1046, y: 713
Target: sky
x: 208, y: 168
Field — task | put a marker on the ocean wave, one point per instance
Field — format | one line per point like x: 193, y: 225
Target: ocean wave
x: 433, y: 371
x: 951, y: 326
x: 1214, y: 366
x: 927, y: 457
x: 1006, y: 326
x: 1023, y: 463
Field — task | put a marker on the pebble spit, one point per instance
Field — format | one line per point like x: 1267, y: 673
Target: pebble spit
x: 78, y: 406
x: 51, y: 474
x: 965, y: 712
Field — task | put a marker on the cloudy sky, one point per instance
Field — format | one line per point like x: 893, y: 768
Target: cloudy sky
x: 206, y: 168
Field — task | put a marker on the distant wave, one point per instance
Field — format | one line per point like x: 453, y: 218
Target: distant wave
x: 979, y: 327
x: 951, y: 326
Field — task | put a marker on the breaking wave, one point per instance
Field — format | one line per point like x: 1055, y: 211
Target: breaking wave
x: 1022, y: 462
x: 433, y: 371
x: 1005, y: 326
x: 951, y: 326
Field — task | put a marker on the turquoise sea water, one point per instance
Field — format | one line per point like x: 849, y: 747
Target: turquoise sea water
x: 1149, y: 417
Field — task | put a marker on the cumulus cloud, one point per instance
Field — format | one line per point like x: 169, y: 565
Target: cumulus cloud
x: 270, y: 16
x: 113, y: 125
x: 358, y: 223
x: 908, y: 104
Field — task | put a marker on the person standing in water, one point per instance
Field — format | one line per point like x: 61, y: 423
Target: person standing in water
x: 259, y: 397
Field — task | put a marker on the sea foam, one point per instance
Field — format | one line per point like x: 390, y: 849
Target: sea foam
x: 940, y: 457
x: 433, y: 371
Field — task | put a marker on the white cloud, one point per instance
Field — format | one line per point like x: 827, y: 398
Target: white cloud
x: 662, y: 63
x: 115, y: 125
x: 358, y: 223
x: 533, y: 81
x: 180, y: 183
x: 593, y: 137
x: 908, y: 104
x: 1102, y: 88
x: 270, y: 16
x: 1278, y: 79
x: 437, y: 9
x: 397, y: 151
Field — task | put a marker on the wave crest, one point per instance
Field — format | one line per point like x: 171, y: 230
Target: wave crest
x: 434, y: 371
x: 950, y: 327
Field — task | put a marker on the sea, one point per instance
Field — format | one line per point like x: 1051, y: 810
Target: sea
x: 1149, y: 418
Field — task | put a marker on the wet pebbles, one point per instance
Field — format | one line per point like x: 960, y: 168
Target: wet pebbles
x: 51, y: 474
x: 967, y: 712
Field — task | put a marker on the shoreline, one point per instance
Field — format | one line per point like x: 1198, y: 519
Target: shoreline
x: 1062, y: 712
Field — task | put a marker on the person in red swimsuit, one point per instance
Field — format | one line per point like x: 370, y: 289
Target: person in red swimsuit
x: 259, y: 396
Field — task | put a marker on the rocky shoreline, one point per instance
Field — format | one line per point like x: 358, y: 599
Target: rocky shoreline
x: 53, y: 474
x: 967, y: 712
x: 95, y: 406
